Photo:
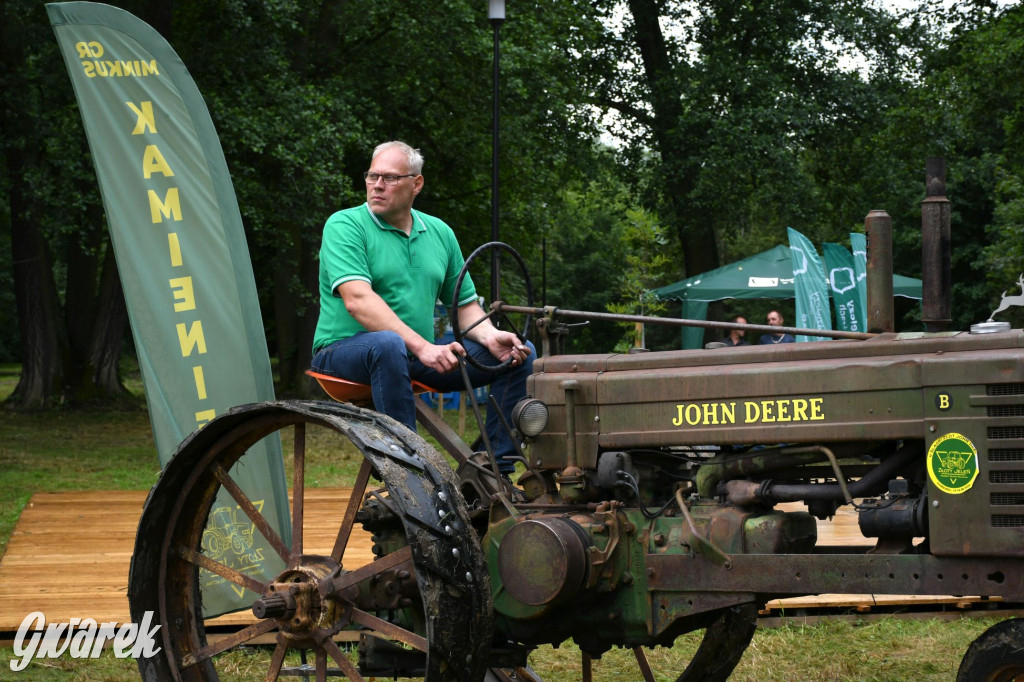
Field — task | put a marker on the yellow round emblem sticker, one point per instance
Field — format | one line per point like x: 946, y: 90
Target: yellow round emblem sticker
x: 953, y: 463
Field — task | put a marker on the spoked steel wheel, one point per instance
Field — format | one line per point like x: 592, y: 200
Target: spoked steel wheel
x: 422, y: 606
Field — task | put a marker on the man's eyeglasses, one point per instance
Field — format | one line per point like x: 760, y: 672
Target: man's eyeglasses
x: 371, y: 178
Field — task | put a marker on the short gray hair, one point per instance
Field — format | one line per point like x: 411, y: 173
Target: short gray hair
x: 413, y: 157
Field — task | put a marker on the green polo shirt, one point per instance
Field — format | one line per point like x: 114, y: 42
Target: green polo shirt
x: 409, y: 272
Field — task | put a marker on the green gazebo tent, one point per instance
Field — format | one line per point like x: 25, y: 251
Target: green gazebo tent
x: 767, y: 275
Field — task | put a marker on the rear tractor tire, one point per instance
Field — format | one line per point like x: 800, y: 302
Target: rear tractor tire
x: 997, y: 655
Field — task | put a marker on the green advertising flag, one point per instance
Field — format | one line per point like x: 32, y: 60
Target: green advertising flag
x: 842, y: 281
x: 812, y: 308
x: 184, y: 264
x: 859, y: 246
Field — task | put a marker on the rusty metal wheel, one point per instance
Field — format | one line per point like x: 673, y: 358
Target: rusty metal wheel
x: 423, y: 605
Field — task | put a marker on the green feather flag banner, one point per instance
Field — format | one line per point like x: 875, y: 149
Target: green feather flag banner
x: 810, y: 284
x: 842, y: 281
x: 859, y: 246
x: 184, y: 265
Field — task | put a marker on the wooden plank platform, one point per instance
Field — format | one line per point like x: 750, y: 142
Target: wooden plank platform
x: 70, y: 552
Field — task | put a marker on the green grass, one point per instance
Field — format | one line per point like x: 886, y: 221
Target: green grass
x: 241, y: 665
x: 886, y: 650
x: 92, y: 450
x: 54, y: 450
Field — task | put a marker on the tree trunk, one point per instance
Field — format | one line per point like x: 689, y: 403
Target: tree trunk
x: 295, y: 314
x: 108, y: 332
x: 43, y: 348
x: 285, y: 323
x: 309, y: 276
x: 95, y: 314
x: 80, y: 303
x: 678, y: 147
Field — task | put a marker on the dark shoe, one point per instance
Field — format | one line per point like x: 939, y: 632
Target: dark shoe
x: 514, y: 492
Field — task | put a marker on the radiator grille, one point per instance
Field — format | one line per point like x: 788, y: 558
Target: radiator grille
x: 1005, y: 432
x: 1007, y: 455
x: 1004, y: 389
x: 1007, y: 520
x: 1005, y: 410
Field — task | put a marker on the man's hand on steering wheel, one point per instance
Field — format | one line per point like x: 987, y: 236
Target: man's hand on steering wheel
x: 504, y: 346
x: 442, y: 358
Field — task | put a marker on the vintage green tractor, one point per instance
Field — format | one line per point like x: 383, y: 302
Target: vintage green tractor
x: 659, y: 493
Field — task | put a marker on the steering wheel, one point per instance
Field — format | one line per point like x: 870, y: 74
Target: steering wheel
x: 460, y: 333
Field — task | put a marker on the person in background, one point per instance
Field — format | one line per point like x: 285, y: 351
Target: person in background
x: 775, y: 320
x: 735, y: 337
x: 383, y: 265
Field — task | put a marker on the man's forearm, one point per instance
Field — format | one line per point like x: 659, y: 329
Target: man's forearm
x: 374, y: 314
x: 470, y: 314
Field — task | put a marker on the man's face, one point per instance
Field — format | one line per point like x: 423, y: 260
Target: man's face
x: 741, y: 332
x: 774, y: 319
x: 392, y: 201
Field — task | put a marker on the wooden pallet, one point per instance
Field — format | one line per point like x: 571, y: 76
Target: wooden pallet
x: 70, y: 552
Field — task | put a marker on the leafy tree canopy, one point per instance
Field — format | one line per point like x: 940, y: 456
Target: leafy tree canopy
x: 714, y: 123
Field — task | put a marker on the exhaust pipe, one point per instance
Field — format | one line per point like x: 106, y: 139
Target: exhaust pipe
x: 878, y: 231
x: 935, y: 249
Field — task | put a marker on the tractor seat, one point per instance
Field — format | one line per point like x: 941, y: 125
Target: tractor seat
x: 345, y: 391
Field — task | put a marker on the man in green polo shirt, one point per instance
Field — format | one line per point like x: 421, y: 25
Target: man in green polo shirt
x: 382, y: 267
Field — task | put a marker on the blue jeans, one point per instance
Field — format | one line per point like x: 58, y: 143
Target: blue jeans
x: 381, y: 360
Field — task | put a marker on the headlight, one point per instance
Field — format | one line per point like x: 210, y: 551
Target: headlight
x: 530, y: 416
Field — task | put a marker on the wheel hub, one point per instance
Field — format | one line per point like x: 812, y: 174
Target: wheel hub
x: 294, y: 599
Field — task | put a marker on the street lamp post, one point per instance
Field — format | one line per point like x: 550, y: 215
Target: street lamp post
x: 496, y: 14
